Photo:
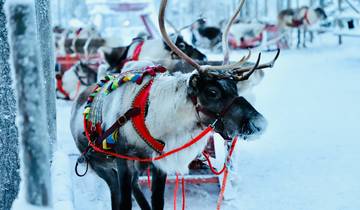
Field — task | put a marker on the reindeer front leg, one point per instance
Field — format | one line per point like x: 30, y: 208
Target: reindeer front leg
x: 157, y: 188
x: 125, y: 181
x: 138, y: 194
x: 304, y: 37
x: 109, y: 175
x: 298, y: 37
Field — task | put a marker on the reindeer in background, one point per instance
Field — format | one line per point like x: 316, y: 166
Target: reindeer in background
x: 301, y: 19
x: 192, y: 100
x: 154, y: 50
x: 75, y: 80
x: 77, y: 40
x: 205, y: 36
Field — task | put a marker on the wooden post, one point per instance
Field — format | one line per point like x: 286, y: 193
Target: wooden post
x: 31, y: 104
x: 288, y: 6
x: 266, y: 8
x: 340, y: 5
x: 47, y: 59
x: 9, y: 144
x: 257, y: 9
x: 340, y: 39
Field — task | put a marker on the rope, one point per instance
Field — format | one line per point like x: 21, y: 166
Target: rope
x: 183, y: 192
x: 77, y: 171
x: 148, y: 178
x: 176, y: 189
x: 222, y: 191
x: 126, y: 157
x: 223, y: 170
x: 206, y: 155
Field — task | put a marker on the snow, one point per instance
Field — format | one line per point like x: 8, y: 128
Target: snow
x: 307, y: 159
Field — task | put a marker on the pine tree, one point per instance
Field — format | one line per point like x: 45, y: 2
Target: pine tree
x: 9, y: 164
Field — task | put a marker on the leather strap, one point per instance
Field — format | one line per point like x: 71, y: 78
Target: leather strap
x: 119, y: 123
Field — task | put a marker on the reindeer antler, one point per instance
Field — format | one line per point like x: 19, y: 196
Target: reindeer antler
x: 225, y: 36
x: 234, y: 70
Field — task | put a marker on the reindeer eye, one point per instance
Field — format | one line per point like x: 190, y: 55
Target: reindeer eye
x: 182, y: 46
x: 212, y: 93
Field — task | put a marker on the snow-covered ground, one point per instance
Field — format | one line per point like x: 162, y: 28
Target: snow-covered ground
x: 308, y: 159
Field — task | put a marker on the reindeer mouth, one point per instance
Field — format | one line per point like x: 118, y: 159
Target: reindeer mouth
x: 248, y: 130
x: 252, y: 129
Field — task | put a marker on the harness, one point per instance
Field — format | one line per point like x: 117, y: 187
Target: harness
x: 106, y: 140
x: 60, y: 88
x: 299, y: 22
x: 135, y: 55
x: 81, y: 81
x: 138, y: 121
x: 87, y: 70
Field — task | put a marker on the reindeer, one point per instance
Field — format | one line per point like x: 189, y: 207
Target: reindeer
x: 201, y: 33
x: 179, y: 105
x: 154, y: 50
x: 301, y: 19
x: 75, y: 80
x: 80, y: 40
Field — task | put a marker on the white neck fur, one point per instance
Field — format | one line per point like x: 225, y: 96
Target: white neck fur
x: 172, y: 118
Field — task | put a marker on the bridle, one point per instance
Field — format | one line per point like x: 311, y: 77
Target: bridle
x: 84, y: 80
x: 217, y: 116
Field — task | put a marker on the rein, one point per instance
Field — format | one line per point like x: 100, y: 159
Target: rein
x: 81, y: 78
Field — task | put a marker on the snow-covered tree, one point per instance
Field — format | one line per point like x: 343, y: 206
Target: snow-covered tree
x: 31, y: 103
x: 9, y: 146
x: 47, y: 59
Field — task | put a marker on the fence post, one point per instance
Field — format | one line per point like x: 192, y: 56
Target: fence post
x: 31, y: 103
x: 9, y: 144
x: 44, y: 29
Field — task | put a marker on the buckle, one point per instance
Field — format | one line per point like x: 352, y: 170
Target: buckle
x: 214, y: 123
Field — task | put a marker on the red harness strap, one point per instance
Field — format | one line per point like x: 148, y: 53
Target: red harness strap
x: 134, y: 57
x: 137, y: 51
x: 138, y: 121
x: 306, y: 17
x: 60, y: 87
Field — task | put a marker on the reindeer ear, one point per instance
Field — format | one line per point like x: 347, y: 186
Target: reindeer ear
x: 254, y: 80
x: 173, y: 38
x: 114, y: 55
x: 194, y: 84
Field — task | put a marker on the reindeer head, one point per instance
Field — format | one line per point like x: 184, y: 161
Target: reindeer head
x: 214, y: 91
x: 186, y: 48
x: 320, y: 12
